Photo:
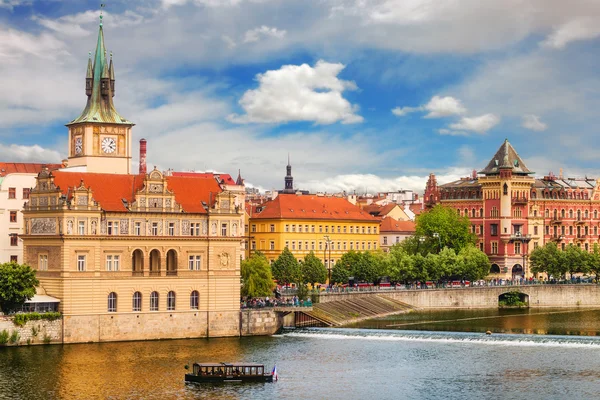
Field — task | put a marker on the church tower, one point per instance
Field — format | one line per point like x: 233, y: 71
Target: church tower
x: 100, y: 139
x: 289, y: 179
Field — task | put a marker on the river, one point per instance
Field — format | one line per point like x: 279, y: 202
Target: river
x: 424, y: 360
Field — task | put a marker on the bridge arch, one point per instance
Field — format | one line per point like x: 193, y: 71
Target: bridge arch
x: 513, y: 298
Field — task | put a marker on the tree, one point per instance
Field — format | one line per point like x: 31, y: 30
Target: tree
x: 257, y: 280
x: 475, y: 263
x: 453, y: 231
x: 286, y: 268
x: 575, y: 260
x: 401, y: 267
x: 17, y: 285
x: 368, y: 268
x: 594, y: 261
x: 312, y: 269
x: 548, y: 259
x: 344, y: 267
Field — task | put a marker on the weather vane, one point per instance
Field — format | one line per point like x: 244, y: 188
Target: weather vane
x: 102, y: 5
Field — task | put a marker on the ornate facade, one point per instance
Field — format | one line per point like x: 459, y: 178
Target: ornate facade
x: 511, y: 212
x: 133, y: 256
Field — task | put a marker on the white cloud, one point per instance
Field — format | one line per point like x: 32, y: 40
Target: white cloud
x: 583, y: 28
x: 450, y: 132
x: 229, y: 41
x: 480, y: 124
x: 444, y: 107
x: 254, y: 35
x: 10, y: 4
x: 34, y: 153
x: 299, y: 93
x: 402, y: 111
x: 533, y: 123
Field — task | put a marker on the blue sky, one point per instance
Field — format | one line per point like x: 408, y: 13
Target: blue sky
x: 364, y: 95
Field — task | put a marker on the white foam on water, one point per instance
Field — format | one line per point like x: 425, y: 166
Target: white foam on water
x: 435, y: 337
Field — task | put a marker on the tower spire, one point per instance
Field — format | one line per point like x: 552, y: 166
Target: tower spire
x: 289, y: 179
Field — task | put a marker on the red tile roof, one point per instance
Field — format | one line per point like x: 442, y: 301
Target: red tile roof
x: 24, y: 168
x: 312, y: 207
x: 224, y: 177
x: 416, y: 208
x: 389, y: 224
x: 379, y: 210
x: 110, y: 189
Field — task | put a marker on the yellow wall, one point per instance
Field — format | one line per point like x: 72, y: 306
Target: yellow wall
x: 282, y: 232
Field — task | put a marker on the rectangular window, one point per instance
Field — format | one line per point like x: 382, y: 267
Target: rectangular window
x: 81, y: 227
x: 271, y: 245
x: 339, y: 229
x: 306, y: 228
x: 194, y: 262
x: 113, y: 227
x: 375, y: 230
x: 299, y: 228
x: 171, y: 228
x: 351, y: 245
x: 363, y: 245
x: 535, y: 230
x: 369, y: 230
x: 14, y: 240
x: 155, y: 229
x: 287, y: 244
x: 547, y: 230
x: 287, y: 228
x: 112, y: 263
x: 293, y: 245
x: 81, y: 263
x: 326, y: 229
x: 312, y: 245
x: 494, y: 229
x: 43, y: 262
x: 293, y: 228
x: 14, y: 258
x: 223, y: 229
x: 272, y: 227
x: 312, y: 228
x: 397, y: 239
x: 385, y: 240
x: 363, y: 229
x: 26, y: 192
x: 481, y: 246
x: 517, y: 247
x: 352, y: 229
x: 320, y: 245
x: 137, y: 229
x: 345, y: 229
x: 12, y: 193
x: 13, y: 216
x: 494, y: 247
x: 320, y: 228
x: 345, y: 245
x: 253, y: 245
x: 253, y: 227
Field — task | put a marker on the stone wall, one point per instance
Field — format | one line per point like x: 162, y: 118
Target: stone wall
x: 485, y: 297
x: 37, y: 332
x: 260, y: 322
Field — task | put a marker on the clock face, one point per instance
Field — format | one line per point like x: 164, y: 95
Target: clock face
x: 109, y: 145
x: 78, y: 145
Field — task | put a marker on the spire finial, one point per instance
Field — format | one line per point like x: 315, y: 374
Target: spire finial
x: 89, y: 54
x: 111, y: 54
x: 101, y: 9
x: 289, y: 159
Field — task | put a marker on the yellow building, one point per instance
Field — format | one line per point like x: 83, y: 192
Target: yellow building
x: 132, y: 256
x: 328, y: 226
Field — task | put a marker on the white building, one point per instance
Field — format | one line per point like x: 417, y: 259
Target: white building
x: 16, y: 179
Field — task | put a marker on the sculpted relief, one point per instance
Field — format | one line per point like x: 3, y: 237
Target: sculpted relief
x: 41, y: 226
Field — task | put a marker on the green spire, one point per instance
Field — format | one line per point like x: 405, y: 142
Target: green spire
x: 90, y: 72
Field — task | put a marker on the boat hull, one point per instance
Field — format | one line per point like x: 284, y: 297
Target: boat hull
x: 227, y: 378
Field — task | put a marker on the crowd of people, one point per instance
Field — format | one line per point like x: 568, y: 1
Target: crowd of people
x: 293, y: 301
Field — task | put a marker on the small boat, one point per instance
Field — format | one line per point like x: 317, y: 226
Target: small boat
x: 225, y: 372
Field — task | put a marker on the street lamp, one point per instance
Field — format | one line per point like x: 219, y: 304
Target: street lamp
x: 437, y: 235
x: 421, y: 239
x: 327, y: 246
x: 524, y: 239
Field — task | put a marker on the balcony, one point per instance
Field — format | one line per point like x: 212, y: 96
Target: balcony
x: 155, y: 273
x: 172, y: 273
x: 579, y: 221
x: 556, y: 221
x: 519, y: 200
x: 137, y: 273
x: 557, y: 238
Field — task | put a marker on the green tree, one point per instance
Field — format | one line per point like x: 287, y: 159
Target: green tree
x: 452, y: 231
x: 257, y: 280
x: 312, y: 269
x: 475, y: 263
x: 594, y: 261
x: 286, y: 268
x: 17, y: 285
x: 401, y: 267
x: 449, y: 265
x: 548, y: 259
x: 344, y: 267
x: 575, y: 260
x: 368, y: 268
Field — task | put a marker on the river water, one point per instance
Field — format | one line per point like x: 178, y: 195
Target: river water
x: 424, y: 360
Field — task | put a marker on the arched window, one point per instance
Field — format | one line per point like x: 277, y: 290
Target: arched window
x: 466, y: 213
x: 494, y: 269
x: 154, y: 301
x: 171, y: 301
x: 555, y: 213
x: 547, y: 212
x: 194, y: 300
x: 171, y: 262
x: 137, y: 262
x: 137, y: 301
x: 112, y: 302
x: 562, y: 213
x: 505, y: 189
x: 473, y: 213
x: 578, y: 215
x: 586, y: 215
x: 155, y: 262
x: 570, y: 213
x: 481, y: 213
x: 595, y: 214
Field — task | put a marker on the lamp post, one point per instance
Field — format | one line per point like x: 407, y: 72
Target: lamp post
x: 524, y: 239
x: 437, y: 235
x: 420, y: 239
x: 328, y: 261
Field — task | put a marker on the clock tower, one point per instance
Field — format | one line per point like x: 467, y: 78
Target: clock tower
x: 100, y: 139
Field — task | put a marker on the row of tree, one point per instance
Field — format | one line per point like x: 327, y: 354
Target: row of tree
x: 558, y: 263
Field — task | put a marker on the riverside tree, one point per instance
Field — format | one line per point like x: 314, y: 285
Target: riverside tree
x: 286, y: 268
x: 17, y: 285
x: 257, y: 280
x: 312, y: 269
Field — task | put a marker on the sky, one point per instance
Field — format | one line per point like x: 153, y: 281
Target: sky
x: 364, y: 95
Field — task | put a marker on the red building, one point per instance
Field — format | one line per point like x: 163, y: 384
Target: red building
x: 511, y: 212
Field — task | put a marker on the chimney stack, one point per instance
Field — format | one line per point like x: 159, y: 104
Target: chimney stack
x: 142, y: 157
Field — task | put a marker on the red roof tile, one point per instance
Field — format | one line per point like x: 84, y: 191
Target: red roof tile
x: 416, y: 208
x: 27, y: 168
x: 312, y: 207
x: 389, y: 224
x: 226, y: 178
x: 110, y: 189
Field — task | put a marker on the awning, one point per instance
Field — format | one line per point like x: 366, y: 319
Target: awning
x: 42, y: 298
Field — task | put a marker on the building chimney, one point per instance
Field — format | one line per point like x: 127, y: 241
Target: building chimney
x: 142, y: 157
x: 474, y: 175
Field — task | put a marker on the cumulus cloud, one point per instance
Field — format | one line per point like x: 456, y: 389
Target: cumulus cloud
x: 582, y: 28
x: 533, y: 123
x: 444, y: 107
x: 299, y: 93
x: 34, y: 153
x: 480, y: 124
x: 254, y: 35
x: 402, y: 111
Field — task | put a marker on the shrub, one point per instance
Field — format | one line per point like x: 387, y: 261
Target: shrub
x: 47, y: 339
x: 14, y: 337
x: 4, y: 337
x: 23, y: 318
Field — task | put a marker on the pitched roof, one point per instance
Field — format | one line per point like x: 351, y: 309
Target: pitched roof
x: 293, y: 206
x: 109, y: 190
x: 25, y: 168
x: 379, y: 210
x: 390, y: 224
x: 506, y: 157
x: 416, y: 208
x: 226, y: 178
